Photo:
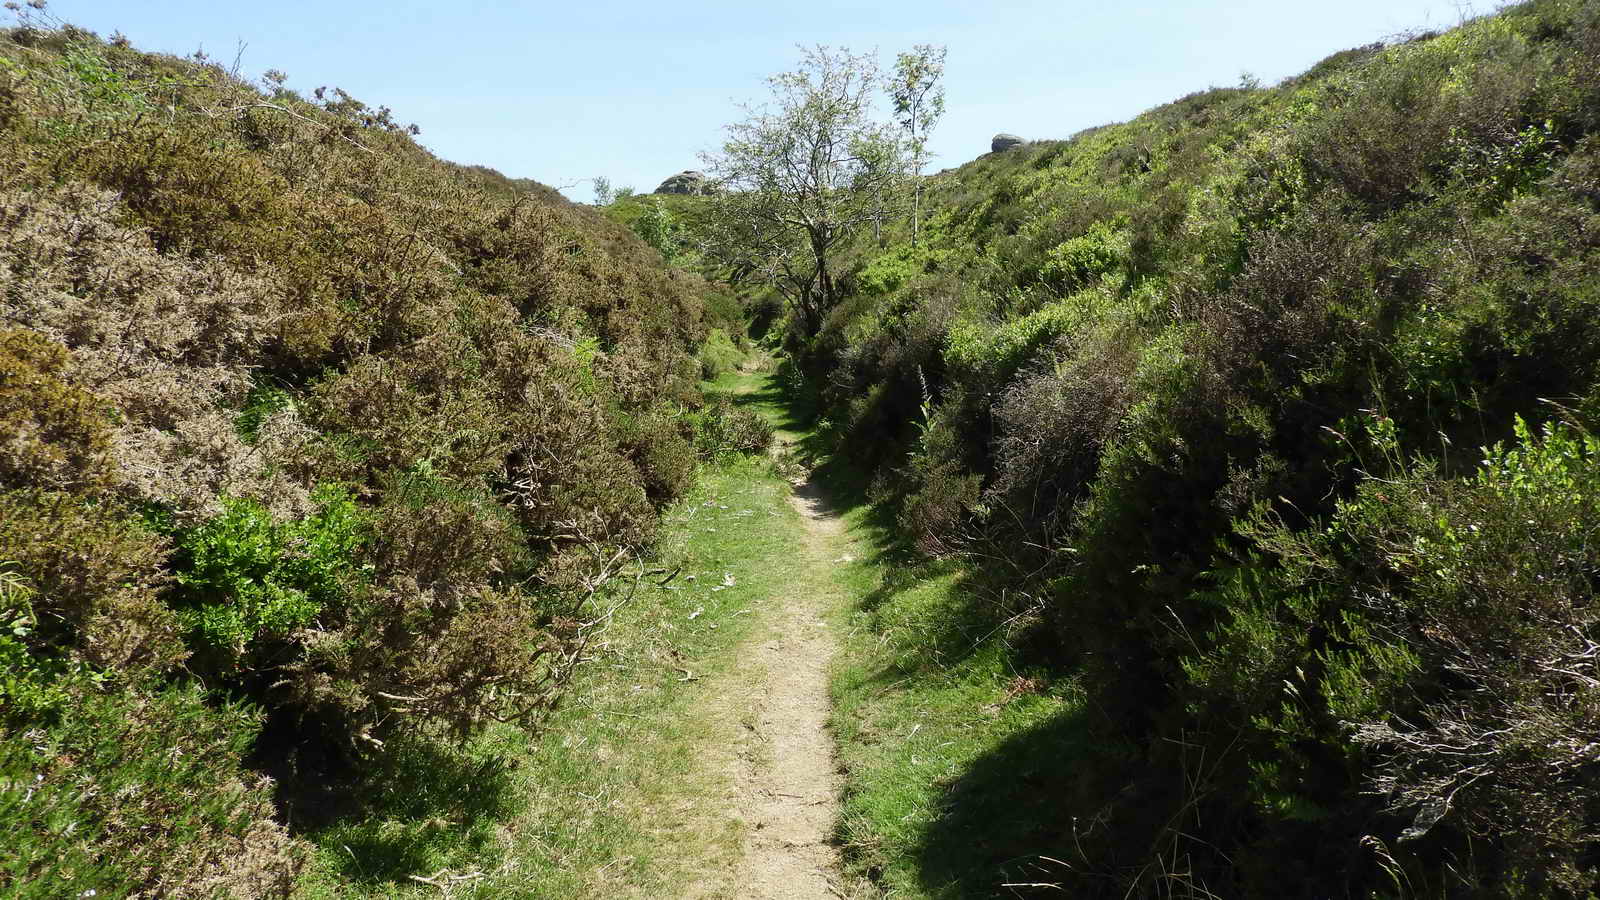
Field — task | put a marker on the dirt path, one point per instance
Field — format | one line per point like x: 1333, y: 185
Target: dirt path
x: 785, y: 781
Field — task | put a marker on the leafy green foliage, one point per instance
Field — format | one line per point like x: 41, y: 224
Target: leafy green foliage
x: 29, y: 684
x: 244, y: 579
x: 1082, y: 260
x: 660, y: 229
x: 258, y: 407
x: 719, y: 355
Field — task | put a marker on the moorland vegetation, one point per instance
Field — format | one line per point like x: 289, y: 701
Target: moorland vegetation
x: 312, y: 447
x: 1256, y: 434
x: 1266, y: 419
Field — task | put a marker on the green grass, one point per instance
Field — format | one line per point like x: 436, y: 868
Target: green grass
x: 950, y: 751
x: 949, y: 748
x: 613, y: 797
x: 760, y: 392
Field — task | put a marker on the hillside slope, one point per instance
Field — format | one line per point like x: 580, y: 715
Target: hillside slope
x: 309, y: 443
x: 1198, y: 399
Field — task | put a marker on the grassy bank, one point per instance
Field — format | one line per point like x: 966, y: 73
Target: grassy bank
x: 1273, y: 407
x: 943, y: 738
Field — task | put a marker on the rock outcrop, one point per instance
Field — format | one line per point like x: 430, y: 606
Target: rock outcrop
x: 1003, y: 141
x: 688, y: 181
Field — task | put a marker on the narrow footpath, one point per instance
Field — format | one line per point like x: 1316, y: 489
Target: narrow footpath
x: 788, y: 779
x: 773, y: 754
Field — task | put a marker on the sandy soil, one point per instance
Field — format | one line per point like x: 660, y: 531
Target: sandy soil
x: 791, y: 788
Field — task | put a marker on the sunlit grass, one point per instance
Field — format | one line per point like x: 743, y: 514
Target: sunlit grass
x: 940, y: 735
x: 614, y: 798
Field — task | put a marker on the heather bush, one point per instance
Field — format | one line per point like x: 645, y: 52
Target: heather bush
x: 1431, y: 642
x: 57, y: 435
x: 95, y: 572
x: 1147, y: 331
x: 722, y: 427
x: 295, y: 409
x: 1051, y: 428
x: 659, y: 443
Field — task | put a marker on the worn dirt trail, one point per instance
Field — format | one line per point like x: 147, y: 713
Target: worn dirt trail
x: 791, y: 783
x: 783, y: 778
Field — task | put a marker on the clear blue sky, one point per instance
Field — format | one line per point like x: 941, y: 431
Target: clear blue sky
x: 564, y: 90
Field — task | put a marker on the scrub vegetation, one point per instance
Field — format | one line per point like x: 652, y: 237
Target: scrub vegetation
x: 1254, y: 440
x: 1218, y: 489
x: 318, y: 456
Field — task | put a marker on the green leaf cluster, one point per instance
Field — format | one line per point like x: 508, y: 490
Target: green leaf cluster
x: 245, y: 579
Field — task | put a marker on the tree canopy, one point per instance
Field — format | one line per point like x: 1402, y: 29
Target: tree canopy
x: 802, y: 173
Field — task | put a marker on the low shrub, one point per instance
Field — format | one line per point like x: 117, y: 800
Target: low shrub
x: 57, y: 435
x: 95, y: 573
x: 1078, y: 263
x: 1157, y: 326
x: 215, y: 297
x: 29, y: 681
x: 1051, y: 427
x: 245, y: 583
x: 722, y: 427
x: 658, y: 444
x: 135, y: 794
x: 940, y: 492
x: 1431, y: 641
x: 994, y: 353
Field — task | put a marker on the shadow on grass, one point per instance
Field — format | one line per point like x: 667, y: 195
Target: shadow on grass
x: 1025, y: 810
x: 419, y: 805
x: 1018, y: 815
x: 786, y: 410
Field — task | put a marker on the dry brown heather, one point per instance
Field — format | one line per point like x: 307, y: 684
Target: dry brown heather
x: 217, y: 300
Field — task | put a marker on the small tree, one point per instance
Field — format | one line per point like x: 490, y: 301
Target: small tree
x: 918, y: 103
x: 603, y: 195
x: 798, y: 176
x: 658, y: 227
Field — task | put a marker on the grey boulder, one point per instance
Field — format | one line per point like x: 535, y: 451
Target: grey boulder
x: 688, y: 181
x: 1003, y: 141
